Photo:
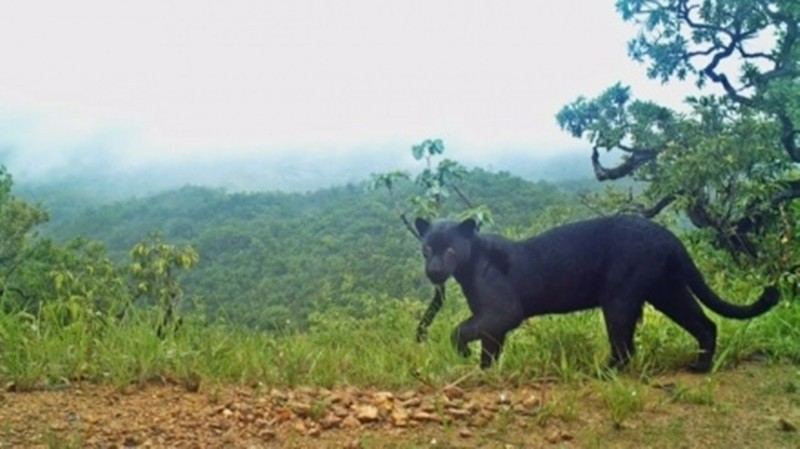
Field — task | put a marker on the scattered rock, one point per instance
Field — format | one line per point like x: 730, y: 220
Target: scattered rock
x: 314, y: 431
x: 341, y: 398
x: 192, y: 383
x: 411, y: 402
x: 283, y: 415
x: 382, y: 397
x: 427, y: 407
x: 503, y: 399
x: 531, y: 402
x: 367, y: 413
x: 131, y: 442
x: 453, y: 392
x: 406, y: 395
x: 301, y: 409
x: 426, y: 417
x: 400, y: 417
x: 350, y: 422
x: 300, y: 427
x: 267, y: 434
x: 472, y: 406
x: 464, y: 432
x: 479, y: 422
x: 339, y: 411
x: 559, y: 437
x: 330, y: 421
x: 458, y: 412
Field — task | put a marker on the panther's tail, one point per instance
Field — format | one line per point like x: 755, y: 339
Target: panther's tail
x: 769, y: 297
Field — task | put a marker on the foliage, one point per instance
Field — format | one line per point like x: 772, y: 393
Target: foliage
x: 18, y: 220
x: 302, y: 261
x: 437, y: 182
x: 153, y: 273
x: 728, y: 164
x: 270, y: 259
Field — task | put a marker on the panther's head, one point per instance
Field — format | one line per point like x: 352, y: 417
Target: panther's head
x: 446, y: 246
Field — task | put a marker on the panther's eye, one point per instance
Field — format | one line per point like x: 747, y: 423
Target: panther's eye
x: 427, y: 251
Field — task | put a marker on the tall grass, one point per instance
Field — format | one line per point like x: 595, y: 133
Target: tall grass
x: 378, y: 351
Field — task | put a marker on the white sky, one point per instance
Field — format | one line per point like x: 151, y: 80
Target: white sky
x: 177, y: 78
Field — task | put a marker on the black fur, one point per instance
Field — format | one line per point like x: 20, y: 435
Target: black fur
x: 615, y: 263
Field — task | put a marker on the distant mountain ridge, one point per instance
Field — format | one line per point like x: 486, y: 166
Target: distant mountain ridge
x: 295, y: 172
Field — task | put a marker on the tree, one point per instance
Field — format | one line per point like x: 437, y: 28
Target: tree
x: 436, y: 182
x: 729, y: 162
x: 18, y: 220
x: 153, y: 271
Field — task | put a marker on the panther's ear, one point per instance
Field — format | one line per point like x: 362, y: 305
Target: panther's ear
x: 467, y: 227
x: 422, y: 226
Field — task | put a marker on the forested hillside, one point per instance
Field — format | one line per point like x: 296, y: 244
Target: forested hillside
x: 269, y: 259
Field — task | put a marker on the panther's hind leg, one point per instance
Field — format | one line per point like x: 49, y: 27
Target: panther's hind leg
x: 682, y: 308
x: 621, y: 317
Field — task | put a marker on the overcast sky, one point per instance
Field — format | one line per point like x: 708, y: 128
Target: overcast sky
x: 168, y: 79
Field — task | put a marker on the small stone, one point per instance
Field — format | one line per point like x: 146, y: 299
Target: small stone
x: 339, y: 411
x: 453, y: 392
x: 479, y: 421
x: 300, y: 427
x: 406, y: 395
x: 382, y: 397
x: 330, y: 421
x: 559, y: 437
x: 367, y: 413
x: 504, y: 399
x: 465, y: 433
x: 472, y: 406
x: 350, y: 422
x: 278, y: 394
x: 426, y: 417
x: 411, y: 402
x: 341, y: 398
x: 267, y: 434
x: 427, y: 407
x: 283, y: 416
x: 301, y: 409
x: 400, y: 417
x: 130, y: 442
x: 458, y: 412
x: 531, y: 402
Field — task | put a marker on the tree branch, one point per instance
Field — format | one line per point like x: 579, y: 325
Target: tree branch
x: 634, y: 161
x: 658, y: 207
x: 792, y: 192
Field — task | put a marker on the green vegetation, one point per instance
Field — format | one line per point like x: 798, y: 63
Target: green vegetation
x: 322, y: 288
x: 326, y: 287
x: 728, y: 164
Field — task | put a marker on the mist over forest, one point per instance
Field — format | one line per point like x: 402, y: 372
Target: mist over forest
x: 106, y: 177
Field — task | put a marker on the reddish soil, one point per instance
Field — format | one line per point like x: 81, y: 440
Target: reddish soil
x: 754, y: 405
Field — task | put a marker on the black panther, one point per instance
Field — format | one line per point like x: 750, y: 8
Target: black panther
x: 615, y: 263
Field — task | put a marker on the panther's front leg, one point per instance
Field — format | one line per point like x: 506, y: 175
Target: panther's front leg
x: 462, y: 335
x: 490, y: 329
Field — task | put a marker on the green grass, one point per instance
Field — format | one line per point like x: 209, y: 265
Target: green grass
x: 376, y: 351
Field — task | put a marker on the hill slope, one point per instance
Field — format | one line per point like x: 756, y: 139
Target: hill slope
x: 270, y: 259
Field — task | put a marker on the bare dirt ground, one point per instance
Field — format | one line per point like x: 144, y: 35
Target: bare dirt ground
x: 753, y: 405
